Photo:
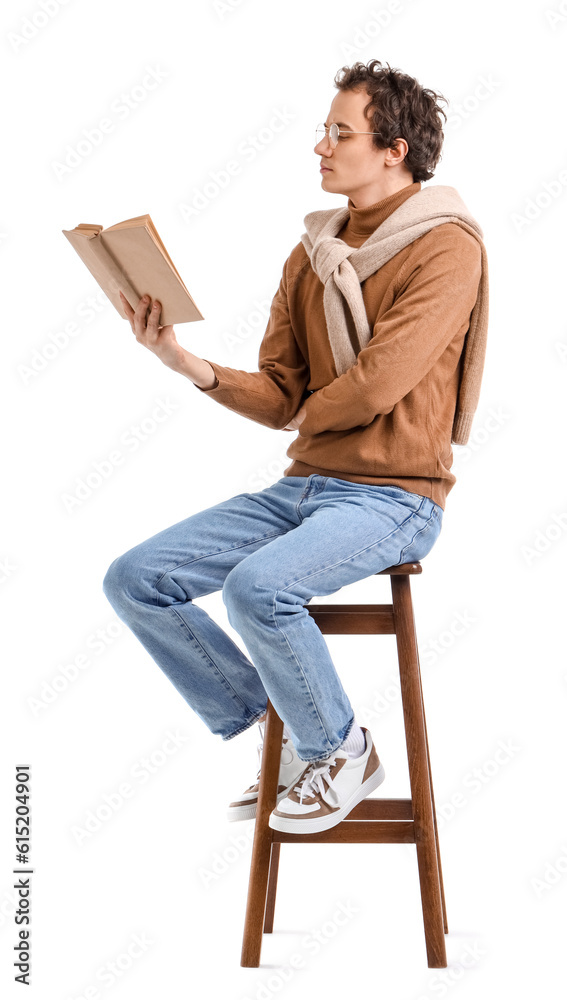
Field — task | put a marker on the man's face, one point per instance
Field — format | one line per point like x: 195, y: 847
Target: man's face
x: 355, y: 163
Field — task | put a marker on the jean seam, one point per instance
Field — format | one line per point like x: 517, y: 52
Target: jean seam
x: 293, y: 583
x: 215, y: 666
x: 206, y: 555
x: 304, y: 493
x: 423, y: 528
x: 302, y: 672
x: 247, y: 725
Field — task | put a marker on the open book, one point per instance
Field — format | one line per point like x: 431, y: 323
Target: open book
x: 130, y: 257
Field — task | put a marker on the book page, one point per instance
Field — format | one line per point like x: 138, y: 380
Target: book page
x: 145, y: 220
x: 103, y: 267
x: 149, y: 270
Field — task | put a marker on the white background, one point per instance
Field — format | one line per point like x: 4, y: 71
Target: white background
x: 497, y: 565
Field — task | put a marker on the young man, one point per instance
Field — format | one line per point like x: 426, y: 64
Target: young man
x: 364, y: 354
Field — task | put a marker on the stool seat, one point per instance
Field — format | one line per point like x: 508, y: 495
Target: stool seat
x: 373, y: 820
x: 403, y: 569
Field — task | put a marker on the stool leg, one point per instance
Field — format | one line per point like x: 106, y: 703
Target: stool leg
x: 422, y: 804
x: 445, y: 924
x: 272, y: 887
x: 262, y: 844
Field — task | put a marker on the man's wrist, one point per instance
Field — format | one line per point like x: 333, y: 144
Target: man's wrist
x: 197, y: 370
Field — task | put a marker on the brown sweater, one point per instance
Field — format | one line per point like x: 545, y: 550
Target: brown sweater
x: 388, y: 419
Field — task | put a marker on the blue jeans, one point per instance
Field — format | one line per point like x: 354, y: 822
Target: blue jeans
x: 270, y: 552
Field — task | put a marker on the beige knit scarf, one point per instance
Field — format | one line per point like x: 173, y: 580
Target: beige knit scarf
x: 341, y: 268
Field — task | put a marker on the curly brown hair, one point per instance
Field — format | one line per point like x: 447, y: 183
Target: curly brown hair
x: 399, y: 108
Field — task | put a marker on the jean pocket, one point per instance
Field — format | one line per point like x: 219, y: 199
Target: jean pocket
x: 408, y: 493
x: 415, y: 501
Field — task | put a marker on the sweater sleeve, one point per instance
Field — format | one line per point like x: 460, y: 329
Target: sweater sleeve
x: 272, y: 395
x: 435, y: 300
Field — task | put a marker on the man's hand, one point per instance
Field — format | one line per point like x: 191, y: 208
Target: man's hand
x: 297, y: 420
x: 159, y: 339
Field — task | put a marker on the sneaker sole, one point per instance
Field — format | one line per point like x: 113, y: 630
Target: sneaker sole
x: 249, y: 811
x: 299, y: 825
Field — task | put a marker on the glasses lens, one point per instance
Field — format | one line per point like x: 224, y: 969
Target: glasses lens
x: 333, y: 131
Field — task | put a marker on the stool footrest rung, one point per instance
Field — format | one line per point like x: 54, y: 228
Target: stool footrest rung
x: 353, y: 619
x: 372, y: 821
x: 374, y: 809
x: 357, y: 831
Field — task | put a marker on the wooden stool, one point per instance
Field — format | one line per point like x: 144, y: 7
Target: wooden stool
x: 372, y: 821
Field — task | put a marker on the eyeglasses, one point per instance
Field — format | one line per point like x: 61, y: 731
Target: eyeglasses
x: 334, y: 132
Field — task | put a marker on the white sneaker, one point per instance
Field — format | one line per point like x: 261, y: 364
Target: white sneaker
x: 291, y: 767
x: 328, y: 790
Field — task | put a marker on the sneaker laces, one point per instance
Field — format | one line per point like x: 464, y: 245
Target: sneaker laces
x: 312, y: 781
x: 260, y: 747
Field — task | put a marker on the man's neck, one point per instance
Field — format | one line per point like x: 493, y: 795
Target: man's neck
x: 371, y: 196
x: 364, y: 221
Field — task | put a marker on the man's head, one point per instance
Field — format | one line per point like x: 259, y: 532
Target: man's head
x: 407, y: 148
